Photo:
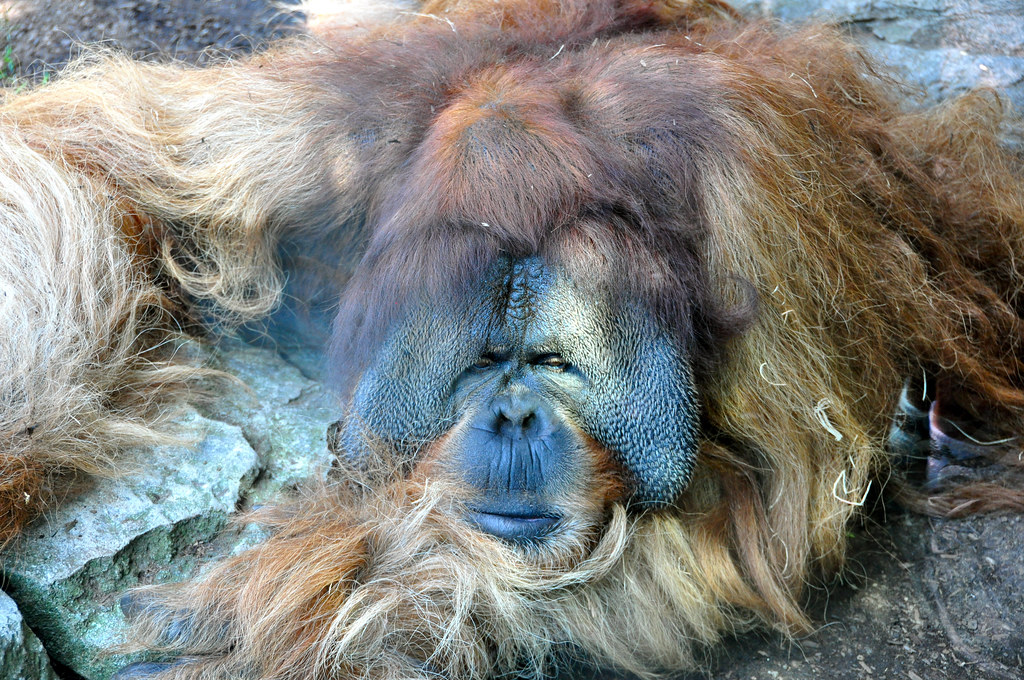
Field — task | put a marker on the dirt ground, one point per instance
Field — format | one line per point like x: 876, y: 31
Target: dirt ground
x: 38, y: 36
x: 923, y: 599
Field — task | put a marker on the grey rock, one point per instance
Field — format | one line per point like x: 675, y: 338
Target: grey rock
x: 942, y: 46
x: 283, y: 413
x: 22, y: 656
x: 944, y: 72
x: 71, y: 565
x: 161, y: 520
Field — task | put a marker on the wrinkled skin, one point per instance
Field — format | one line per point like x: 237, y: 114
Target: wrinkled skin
x: 523, y: 368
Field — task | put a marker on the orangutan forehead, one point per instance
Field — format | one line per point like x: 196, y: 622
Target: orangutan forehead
x: 524, y: 281
x: 527, y: 303
x: 520, y: 148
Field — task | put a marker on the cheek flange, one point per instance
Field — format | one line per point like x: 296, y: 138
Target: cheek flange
x: 644, y: 408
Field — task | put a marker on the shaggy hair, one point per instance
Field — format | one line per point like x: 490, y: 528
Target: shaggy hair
x: 671, y: 152
x: 80, y: 318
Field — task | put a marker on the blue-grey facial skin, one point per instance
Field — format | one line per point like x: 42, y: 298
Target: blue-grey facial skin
x: 529, y: 338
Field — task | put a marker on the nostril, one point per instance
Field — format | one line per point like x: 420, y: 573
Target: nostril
x: 518, y: 421
x: 514, y: 412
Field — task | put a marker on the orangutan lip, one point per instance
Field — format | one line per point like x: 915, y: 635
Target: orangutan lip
x: 513, y: 526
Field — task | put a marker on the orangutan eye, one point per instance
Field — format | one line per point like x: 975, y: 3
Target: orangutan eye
x: 485, y: 361
x: 551, y: 361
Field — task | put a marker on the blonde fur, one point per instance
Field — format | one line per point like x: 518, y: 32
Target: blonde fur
x: 81, y: 324
x: 385, y: 581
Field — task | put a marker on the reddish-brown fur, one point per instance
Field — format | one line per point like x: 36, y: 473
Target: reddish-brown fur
x: 810, y: 240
